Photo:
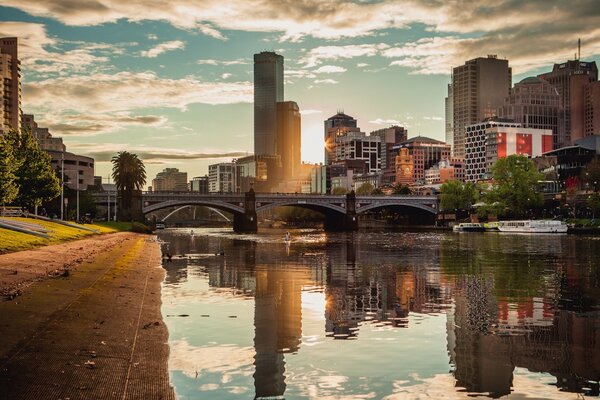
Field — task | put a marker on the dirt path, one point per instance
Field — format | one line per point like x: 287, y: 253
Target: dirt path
x: 94, y: 333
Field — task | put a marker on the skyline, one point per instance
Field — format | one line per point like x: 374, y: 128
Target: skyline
x: 164, y: 80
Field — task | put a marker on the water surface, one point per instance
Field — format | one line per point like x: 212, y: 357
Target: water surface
x: 382, y: 315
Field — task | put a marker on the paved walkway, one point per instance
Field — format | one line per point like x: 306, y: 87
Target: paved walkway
x: 96, y: 333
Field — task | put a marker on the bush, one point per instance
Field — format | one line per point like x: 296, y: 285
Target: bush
x: 138, y: 227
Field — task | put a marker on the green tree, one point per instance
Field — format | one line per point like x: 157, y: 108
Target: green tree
x: 36, y: 179
x: 401, y: 189
x: 377, y: 192
x: 8, y: 185
x: 365, y: 189
x: 458, y: 196
x: 590, y: 175
x: 514, y: 188
x: 339, y: 190
x: 593, y: 203
x: 129, y: 174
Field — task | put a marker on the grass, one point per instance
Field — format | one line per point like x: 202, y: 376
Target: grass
x: 11, y: 241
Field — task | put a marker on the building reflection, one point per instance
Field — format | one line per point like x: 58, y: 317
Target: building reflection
x: 540, y: 312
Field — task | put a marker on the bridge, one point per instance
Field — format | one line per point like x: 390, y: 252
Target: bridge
x: 341, y: 211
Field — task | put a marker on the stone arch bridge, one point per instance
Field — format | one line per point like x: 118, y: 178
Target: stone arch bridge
x: 341, y: 211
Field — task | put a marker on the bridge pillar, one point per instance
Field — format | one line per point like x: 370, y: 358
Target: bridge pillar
x: 246, y: 222
x: 343, y: 222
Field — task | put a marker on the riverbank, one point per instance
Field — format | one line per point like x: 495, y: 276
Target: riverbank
x: 11, y: 241
x: 82, y: 320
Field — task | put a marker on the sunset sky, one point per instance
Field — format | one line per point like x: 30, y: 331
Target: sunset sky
x: 172, y: 80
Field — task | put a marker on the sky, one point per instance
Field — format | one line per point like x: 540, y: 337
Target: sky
x: 172, y: 81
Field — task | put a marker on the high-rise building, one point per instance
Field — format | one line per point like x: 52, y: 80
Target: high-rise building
x: 199, y: 184
x: 425, y: 152
x: 592, y: 109
x: 535, y: 103
x: 337, y: 125
x: 289, y: 138
x: 390, y: 137
x: 43, y: 135
x: 479, y: 87
x: 358, y: 152
x: 570, y: 79
x: 490, y: 140
x: 268, y: 91
x: 10, y: 86
x: 170, y: 180
x: 449, y: 116
x: 221, y: 178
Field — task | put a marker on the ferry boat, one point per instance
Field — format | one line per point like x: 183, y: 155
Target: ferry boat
x: 533, y: 226
x: 468, y: 227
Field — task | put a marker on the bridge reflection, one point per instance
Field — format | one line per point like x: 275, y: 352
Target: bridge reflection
x: 533, y: 316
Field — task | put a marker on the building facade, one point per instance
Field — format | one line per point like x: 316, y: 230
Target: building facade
x: 42, y: 135
x: 535, y: 103
x: 335, y: 126
x: 449, y: 117
x: 268, y: 91
x: 479, y: 87
x: 78, y: 170
x: 426, y: 153
x: 570, y: 79
x: 491, y: 140
x: 10, y: 86
x: 199, y: 184
x: 405, y: 166
x: 170, y: 180
x: 591, y: 110
x: 221, y: 178
x: 289, y: 139
x: 358, y: 152
x: 390, y: 137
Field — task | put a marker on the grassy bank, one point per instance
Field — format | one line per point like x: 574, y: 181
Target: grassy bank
x: 11, y: 241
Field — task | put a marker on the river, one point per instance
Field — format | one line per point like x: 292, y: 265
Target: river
x: 381, y: 315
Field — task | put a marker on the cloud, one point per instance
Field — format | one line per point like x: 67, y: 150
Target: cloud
x: 380, y: 121
x: 319, y: 54
x: 126, y: 91
x: 226, y: 75
x: 310, y: 112
x: 37, y: 59
x: 239, y: 61
x: 91, y: 125
x: 162, y: 48
x: 362, y: 65
x: 329, y: 69
x: 326, y: 81
x: 103, y: 152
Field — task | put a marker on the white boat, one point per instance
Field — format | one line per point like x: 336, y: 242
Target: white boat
x: 468, y: 227
x: 533, y: 226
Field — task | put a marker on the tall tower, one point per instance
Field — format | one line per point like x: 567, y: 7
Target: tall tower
x: 289, y: 138
x: 570, y: 79
x: 335, y: 125
x: 10, y: 86
x: 268, y: 90
x: 479, y: 87
x: 449, y: 116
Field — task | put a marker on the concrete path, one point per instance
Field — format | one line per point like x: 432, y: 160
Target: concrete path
x: 95, y: 332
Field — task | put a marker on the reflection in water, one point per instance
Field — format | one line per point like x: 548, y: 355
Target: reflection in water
x: 516, y: 314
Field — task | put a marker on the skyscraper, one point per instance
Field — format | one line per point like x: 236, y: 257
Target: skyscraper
x: 337, y: 125
x: 268, y: 91
x: 479, y: 87
x: 449, y: 114
x: 10, y: 86
x: 288, y: 138
x: 535, y: 103
x: 570, y: 80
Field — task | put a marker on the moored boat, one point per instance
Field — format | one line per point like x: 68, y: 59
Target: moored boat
x: 468, y: 227
x: 533, y: 226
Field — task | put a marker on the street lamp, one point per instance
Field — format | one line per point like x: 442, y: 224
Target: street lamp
x: 62, y: 184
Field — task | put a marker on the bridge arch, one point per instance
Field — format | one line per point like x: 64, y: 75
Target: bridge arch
x: 311, y: 205
x: 219, y: 205
x: 424, y: 207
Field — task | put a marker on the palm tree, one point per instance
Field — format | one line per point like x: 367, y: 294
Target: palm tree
x: 129, y: 174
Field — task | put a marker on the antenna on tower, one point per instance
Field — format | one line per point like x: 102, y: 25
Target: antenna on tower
x: 578, y: 49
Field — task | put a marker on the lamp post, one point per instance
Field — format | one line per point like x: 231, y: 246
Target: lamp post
x: 77, y: 196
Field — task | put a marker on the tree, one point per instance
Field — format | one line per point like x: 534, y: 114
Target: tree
x: 401, y: 189
x: 593, y: 203
x: 590, y: 175
x: 339, y: 190
x: 458, y: 196
x: 129, y: 174
x: 8, y: 186
x: 514, y: 188
x: 36, y: 179
x: 377, y: 192
x: 365, y: 189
